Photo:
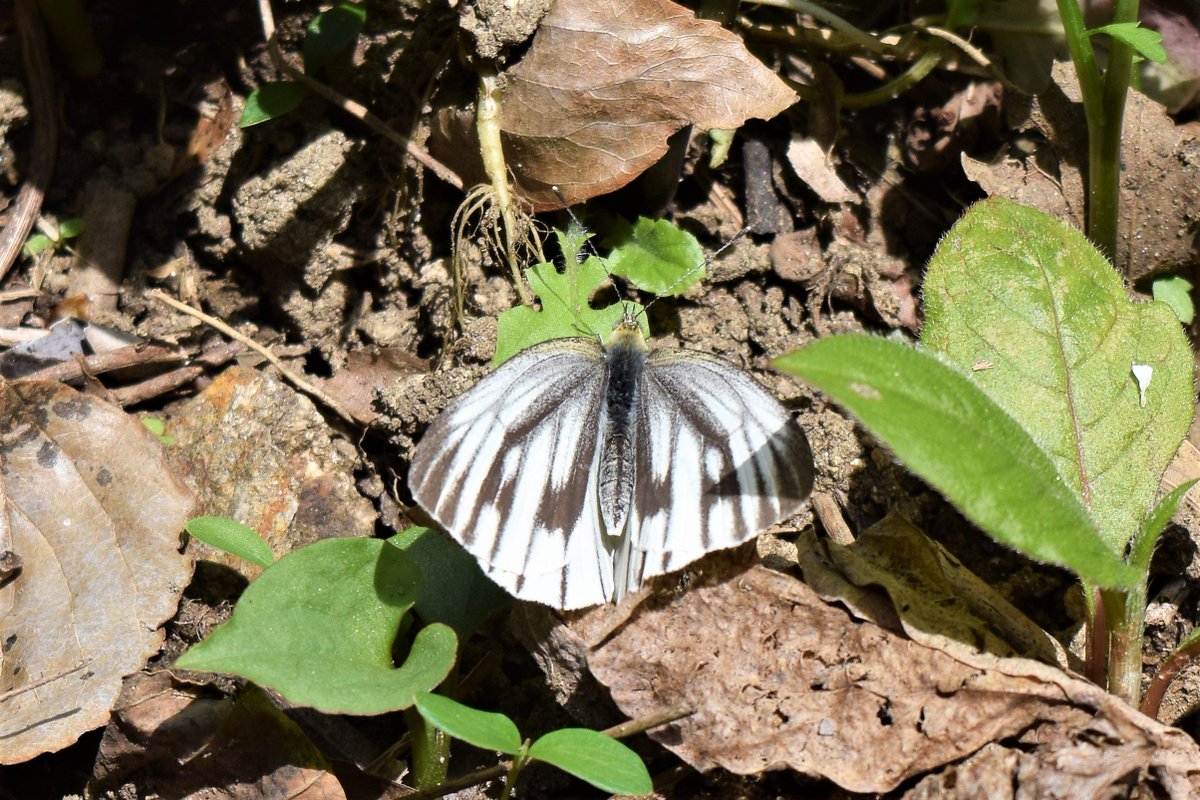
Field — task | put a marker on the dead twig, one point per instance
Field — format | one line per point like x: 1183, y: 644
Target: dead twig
x: 81, y: 366
x: 161, y: 384
x: 300, y: 383
x: 39, y: 76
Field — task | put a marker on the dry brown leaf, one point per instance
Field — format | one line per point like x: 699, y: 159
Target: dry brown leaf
x: 96, y: 515
x: 812, y: 165
x: 603, y: 85
x: 944, y: 604
x: 778, y: 678
x: 367, y: 370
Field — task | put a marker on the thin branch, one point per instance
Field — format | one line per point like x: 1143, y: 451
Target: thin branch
x: 133, y: 355
x: 297, y: 381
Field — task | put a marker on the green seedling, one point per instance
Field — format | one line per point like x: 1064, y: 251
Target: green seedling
x: 328, y: 35
x: 1175, y: 291
x: 654, y: 256
x: 1104, y: 93
x: 233, y: 537
x: 1045, y: 405
x: 159, y: 429
x: 53, y: 238
x: 589, y: 755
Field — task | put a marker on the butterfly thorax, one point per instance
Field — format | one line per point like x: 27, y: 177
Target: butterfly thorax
x: 625, y: 357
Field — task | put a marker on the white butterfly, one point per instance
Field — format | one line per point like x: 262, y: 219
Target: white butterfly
x: 575, y: 471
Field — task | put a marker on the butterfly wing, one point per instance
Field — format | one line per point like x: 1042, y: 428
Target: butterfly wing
x: 509, y: 470
x: 719, y: 460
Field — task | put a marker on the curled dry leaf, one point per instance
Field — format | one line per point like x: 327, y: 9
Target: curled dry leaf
x: 96, y: 516
x: 603, y: 85
x: 779, y: 677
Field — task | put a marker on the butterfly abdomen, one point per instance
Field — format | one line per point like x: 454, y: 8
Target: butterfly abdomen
x: 625, y: 358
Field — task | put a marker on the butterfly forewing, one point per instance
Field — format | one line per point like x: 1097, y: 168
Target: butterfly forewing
x: 725, y: 461
x: 507, y: 467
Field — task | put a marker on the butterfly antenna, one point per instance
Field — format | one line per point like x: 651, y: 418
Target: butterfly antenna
x: 705, y: 264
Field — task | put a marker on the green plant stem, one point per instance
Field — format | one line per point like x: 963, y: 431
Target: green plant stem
x: 1104, y: 165
x: 430, y: 750
x: 1104, y: 108
x: 1095, y: 659
x: 1126, y: 612
x: 518, y: 763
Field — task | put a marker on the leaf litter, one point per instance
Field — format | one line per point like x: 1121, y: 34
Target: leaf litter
x: 881, y: 647
x: 95, y: 514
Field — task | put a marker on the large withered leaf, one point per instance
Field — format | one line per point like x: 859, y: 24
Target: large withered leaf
x: 603, y: 85
x: 778, y: 677
x: 95, y: 515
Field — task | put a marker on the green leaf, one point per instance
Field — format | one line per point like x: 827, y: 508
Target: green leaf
x: 565, y: 298
x: 598, y: 759
x: 1145, y: 42
x: 158, y: 428
x: 1045, y: 321
x: 37, y: 243
x: 70, y: 228
x: 458, y: 594
x: 1153, y: 525
x: 655, y: 256
x: 271, y: 100
x: 318, y: 627
x: 233, y: 537
x: 720, y: 142
x: 484, y: 729
x: 330, y: 33
x: 1175, y: 291
x: 946, y: 430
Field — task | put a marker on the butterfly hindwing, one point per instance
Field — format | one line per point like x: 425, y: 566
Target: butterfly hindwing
x: 507, y: 469
x: 718, y: 461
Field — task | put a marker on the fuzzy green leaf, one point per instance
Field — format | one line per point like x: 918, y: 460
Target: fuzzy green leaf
x: 37, y: 243
x: 1142, y: 549
x: 593, y: 757
x: 70, y: 228
x: 319, y: 624
x: 233, y: 537
x: 655, y: 256
x: 946, y: 430
x: 271, y: 100
x: 1054, y: 340
x: 486, y: 730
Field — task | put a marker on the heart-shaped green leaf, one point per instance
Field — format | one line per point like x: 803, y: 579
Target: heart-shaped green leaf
x: 318, y: 627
